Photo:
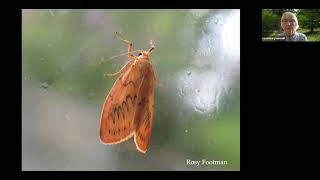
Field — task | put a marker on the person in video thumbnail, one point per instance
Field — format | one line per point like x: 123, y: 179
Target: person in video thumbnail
x: 289, y: 24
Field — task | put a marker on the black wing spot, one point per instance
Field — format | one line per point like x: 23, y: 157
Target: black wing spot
x: 143, y: 102
x: 112, y: 116
x: 133, y: 100
x: 124, y: 103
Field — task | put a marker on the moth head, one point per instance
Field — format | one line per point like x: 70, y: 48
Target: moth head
x: 145, y: 55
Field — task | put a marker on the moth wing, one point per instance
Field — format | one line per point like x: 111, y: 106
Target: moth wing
x: 117, y: 116
x: 144, y: 111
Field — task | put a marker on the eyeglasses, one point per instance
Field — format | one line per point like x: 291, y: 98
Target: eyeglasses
x: 288, y: 20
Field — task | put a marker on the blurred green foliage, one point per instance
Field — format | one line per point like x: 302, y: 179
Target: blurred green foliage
x: 270, y: 22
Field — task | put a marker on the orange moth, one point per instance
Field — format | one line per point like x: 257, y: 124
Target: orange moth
x: 128, y: 108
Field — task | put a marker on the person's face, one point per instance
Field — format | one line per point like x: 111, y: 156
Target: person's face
x: 288, y: 24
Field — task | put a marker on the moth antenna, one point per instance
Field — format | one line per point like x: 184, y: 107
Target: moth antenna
x: 123, y: 54
x: 152, y: 47
x: 122, y: 38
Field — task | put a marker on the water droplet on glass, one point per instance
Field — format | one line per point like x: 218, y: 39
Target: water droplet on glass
x: 66, y: 116
x: 215, y: 20
x: 186, y: 131
x: 49, y: 45
x: 180, y: 93
x: 42, y: 59
x: 188, y: 73
x: 198, y: 90
x: 198, y: 109
x: 51, y: 12
x: 44, y: 85
x: 101, y: 60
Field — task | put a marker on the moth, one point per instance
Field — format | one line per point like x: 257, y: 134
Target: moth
x: 128, y: 109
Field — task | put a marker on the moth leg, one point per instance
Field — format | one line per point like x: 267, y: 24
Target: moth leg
x: 155, y: 77
x: 158, y: 82
x: 122, y: 70
x: 130, y: 46
x: 114, y: 74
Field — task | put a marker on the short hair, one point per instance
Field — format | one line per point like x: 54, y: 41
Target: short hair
x: 292, y: 15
